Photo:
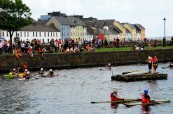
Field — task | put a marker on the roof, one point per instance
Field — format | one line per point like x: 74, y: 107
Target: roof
x: 39, y: 27
x: 76, y: 21
x: 137, y: 28
x: 102, y: 23
x: 127, y: 31
x: 140, y: 26
x: 131, y: 25
x: 63, y: 20
x: 120, y: 24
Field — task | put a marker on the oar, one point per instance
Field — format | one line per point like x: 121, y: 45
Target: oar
x: 118, y: 101
x: 153, y: 102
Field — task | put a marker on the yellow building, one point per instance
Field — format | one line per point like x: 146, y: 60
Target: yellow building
x: 122, y: 28
x: 132, y: 29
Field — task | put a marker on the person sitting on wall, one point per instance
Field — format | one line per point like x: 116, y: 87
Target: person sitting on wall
x: 30, y: 52
x: 17, y: 52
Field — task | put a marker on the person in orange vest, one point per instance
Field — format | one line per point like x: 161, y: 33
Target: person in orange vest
x: 145, y: 97
x: 114, y: 96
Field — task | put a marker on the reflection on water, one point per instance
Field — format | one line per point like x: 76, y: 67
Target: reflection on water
x: 73, y: 91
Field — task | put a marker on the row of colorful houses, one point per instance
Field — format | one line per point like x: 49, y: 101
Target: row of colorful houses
x: 57, y: 25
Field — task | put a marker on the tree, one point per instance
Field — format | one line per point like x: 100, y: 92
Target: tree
x: 14, y: 14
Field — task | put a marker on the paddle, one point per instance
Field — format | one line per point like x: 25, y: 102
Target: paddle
x: 153, y: 102
x: 118, y: 101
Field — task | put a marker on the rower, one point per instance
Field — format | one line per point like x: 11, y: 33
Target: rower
x: 109, y: 66
x: 24, y: 73
x: 145, y: 97
x: 51, y: 73
x: 41, y: 71
x: 171, y: 64
x: 28, y: 75
x: 114, y: 96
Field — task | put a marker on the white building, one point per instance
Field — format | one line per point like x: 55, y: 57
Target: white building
x: 35, y: 31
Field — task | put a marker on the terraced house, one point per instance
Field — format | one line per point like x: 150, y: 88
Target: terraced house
x: 78, y: 30
x: 35, y: 30
x: 122, y: 28
x: 63, y: 24
x: 108, y: 29
x: 132, y: 29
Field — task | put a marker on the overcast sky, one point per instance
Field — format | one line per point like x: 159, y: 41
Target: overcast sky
x: 149, y: 13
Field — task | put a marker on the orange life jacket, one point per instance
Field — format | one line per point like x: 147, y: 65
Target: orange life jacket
x: 145, y: 100
x: 113, y: 98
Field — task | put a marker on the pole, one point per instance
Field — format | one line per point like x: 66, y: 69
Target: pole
x: 164, y: 38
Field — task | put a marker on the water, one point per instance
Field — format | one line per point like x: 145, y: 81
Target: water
x: 73, y: 91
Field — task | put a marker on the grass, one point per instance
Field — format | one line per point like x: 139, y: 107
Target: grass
x: 130, y: 48
x: 117, y: 49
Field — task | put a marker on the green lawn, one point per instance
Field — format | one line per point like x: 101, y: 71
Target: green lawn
x: 130, y: 48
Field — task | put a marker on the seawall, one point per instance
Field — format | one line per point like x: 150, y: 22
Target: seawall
x: 90, y: 59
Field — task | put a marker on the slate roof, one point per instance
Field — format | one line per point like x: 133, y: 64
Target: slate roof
x: 137, y: 28
x: 140, y: 26
x: 63, y: 20
x: 127, y: 31
x: 120, y: 24
x: 102, y: 23
x: 76, y: 21
x: 39, y: 27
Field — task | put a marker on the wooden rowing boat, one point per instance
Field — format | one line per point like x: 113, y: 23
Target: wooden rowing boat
x: 118, y: 101
x: 154, y: 102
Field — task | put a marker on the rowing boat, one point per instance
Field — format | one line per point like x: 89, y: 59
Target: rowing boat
x: 154, y: 102
x: 117, y: 101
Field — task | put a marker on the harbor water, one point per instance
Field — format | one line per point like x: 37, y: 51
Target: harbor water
x: 74, y: 89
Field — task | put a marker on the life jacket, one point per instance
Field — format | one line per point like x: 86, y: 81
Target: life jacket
x: 24, y: 66
x: 113, y: 98
x: 144, y: 99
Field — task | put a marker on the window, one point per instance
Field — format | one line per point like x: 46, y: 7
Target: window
x: 33, y: 34
x: 44, y: 34
x: 40, y: 34
x: 7, y: 34
x: 27, y: 34
x: 36, y: 34
x: 3, y: 34
x: 20, y: 34
x: 24, y: 34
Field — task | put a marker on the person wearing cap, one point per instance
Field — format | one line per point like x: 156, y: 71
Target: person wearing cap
x: 109, y: 66
x: 24, y: 73
x: 114, y: 96
x: 28, y: 75
x: 41, y: 71
x: 51, y: 73
x: 14, y: 71
x: 145, y: 97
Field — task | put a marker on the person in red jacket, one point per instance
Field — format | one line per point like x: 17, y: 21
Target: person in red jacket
x: 145, y: 97
x: 114, y: 96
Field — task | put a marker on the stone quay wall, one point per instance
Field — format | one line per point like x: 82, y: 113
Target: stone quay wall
x: 78, y: 60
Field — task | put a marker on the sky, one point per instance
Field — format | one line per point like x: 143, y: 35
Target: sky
x: 149, y: 13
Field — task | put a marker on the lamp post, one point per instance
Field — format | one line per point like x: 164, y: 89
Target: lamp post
x: 164, y: 38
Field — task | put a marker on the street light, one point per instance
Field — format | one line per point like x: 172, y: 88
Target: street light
x: 164, y: 38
